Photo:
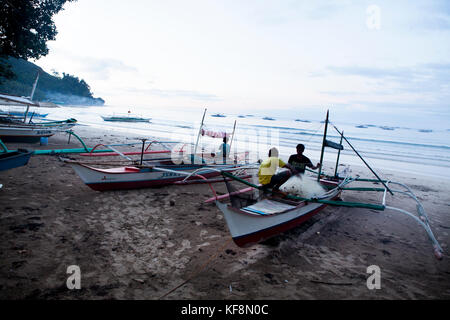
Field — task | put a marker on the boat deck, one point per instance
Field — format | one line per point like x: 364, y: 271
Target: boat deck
x: 268, y: 207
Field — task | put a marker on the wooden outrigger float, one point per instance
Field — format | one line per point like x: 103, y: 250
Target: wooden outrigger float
x: 252, y: 218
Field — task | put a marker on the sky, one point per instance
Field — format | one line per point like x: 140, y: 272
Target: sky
x: 388, y: 57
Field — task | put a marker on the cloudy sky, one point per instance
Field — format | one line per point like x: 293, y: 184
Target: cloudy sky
x: 259, y: 55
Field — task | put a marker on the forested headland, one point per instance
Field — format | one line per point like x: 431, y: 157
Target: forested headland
x: 58, y: 88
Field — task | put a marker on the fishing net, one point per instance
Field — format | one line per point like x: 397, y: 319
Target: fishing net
x: 235, y: 186
x: 302, y: 186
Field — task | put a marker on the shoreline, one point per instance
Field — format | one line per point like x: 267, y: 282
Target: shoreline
x: 140, y: 244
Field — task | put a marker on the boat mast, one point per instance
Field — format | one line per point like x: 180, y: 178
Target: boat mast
x: 232, y: 135
x: 338, y: 155
x: 31, y: 97
x: 199, y: 132
x: 323, y: 146
x: 34, y: 86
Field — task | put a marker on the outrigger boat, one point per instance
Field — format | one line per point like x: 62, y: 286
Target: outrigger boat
x: 125, y: 118
x: 155, y: 172
x: 252, y: 217
x: 32, y: 132
x: 13, y: 128
x: 151, y: 172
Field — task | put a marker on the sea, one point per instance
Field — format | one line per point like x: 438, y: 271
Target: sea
x: 409, y: 145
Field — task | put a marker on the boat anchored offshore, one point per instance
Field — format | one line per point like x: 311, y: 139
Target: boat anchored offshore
x: 125, y: 118
x: 254, y: 214
x: 218, y: 115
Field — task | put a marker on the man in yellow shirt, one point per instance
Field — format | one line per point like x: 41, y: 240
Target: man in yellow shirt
x: 267, y: 171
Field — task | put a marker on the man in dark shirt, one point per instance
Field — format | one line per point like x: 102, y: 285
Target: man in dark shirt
x: 300, y: 162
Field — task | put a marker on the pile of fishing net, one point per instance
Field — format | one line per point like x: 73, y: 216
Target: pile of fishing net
x: 302, y: 186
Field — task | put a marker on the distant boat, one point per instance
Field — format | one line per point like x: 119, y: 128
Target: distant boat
x: 425, y: 130
x: 241, y: 116
x: 386, y: 128
x: 125, y: 118
x: 218, y: 115
x: 268, y: 118
x: 300, y: 120
x: 361, y: 126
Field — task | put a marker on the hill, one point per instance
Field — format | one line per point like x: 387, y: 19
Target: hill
x: 60, y: 89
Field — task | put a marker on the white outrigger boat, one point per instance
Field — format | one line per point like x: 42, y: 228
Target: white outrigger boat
x: 32, y: 132
x: 20, y: 128
x: 176, y: 168
x: 253, y: 217
x: 151, y: 174
x: 129, y: 117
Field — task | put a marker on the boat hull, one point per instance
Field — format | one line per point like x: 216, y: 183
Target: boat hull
x: 131, y: 177
x: 22, y: 134
x: 248, y: 229
x: 30, y: 133
x: 14, y: 159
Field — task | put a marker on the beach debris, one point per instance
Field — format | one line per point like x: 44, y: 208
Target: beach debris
x: 332, y: 283
x: 139, y: 280
x: 229, y: 251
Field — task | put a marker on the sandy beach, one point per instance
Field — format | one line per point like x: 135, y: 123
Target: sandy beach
x: 141, y: 244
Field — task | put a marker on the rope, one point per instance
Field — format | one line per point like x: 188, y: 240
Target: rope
x: 211, y: 258
x: 314, y: 133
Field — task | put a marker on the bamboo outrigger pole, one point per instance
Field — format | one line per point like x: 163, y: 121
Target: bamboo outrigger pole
x: 367, y: 165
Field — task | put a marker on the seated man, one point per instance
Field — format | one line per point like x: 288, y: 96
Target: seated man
x: 300, y: 162
x: 268, y: 167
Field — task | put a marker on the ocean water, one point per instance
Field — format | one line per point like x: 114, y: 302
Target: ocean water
x: 383, y: 142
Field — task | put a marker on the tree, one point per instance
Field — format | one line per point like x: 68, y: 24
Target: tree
x: 25, y: 28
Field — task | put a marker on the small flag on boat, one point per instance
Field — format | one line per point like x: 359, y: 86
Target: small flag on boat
x: 334, y: 145
x: 214, y: 134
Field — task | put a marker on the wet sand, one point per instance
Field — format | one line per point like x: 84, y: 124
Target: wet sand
x: 141, y: 244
